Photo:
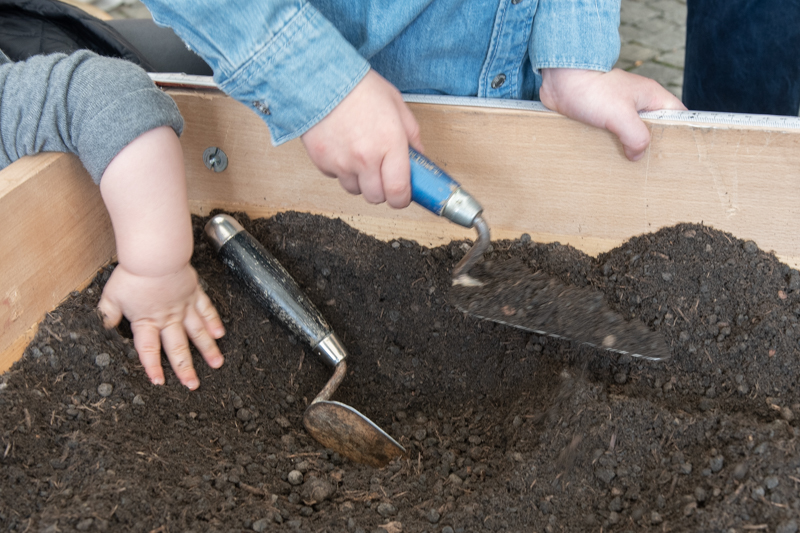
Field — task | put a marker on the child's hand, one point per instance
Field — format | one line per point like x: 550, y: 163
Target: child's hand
x: 609, y: 100
x: 162, y: 311
x: 364, y: 142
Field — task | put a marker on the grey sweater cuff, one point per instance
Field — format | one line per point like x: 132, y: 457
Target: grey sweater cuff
x: 81, y: 103
x: 127, y: 117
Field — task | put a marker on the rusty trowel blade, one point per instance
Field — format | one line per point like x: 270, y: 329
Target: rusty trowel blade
x: 514, y: 295
x: 346, y: 431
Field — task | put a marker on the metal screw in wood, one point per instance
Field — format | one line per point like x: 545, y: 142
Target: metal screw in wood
x: 215, y: 159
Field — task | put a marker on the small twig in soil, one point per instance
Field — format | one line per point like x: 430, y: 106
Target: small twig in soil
x: 735, y: 494
x: 781, y: 505
x: 53, y: 334
x: 254, y: 490
x: 360, y: 495
x: 672, y: 486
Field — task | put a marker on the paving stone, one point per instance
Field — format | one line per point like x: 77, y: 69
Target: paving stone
x: 659, y: 72
x: 631, y: 53
x: 670, y: 38
x: 637, y: 11
x: 130, y: 10
x: 676, y: 14
x: 674, y: 58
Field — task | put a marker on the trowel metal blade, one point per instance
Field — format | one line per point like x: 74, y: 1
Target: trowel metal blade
x: 513, y: 295
x: 346, y: 431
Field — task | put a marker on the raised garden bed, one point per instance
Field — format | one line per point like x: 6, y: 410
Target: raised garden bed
x: 506, y: 430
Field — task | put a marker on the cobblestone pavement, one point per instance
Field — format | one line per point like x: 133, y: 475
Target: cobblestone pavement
x: 653, y: 34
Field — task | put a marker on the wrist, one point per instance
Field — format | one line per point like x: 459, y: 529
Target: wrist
x: 144, y: 190
x: 560, y: 84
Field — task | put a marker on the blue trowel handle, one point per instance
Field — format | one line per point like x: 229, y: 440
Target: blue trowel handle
x: 440, y: 194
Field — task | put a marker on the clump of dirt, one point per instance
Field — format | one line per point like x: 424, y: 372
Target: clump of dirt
x: 505, y: 430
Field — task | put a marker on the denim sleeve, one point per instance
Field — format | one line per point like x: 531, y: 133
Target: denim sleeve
x: 580, y: 34
x: 281, y: 58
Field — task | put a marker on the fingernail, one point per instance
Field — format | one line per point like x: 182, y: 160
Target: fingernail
x: 217, y: 362
x: 157, y: 381
x: 192, y: 384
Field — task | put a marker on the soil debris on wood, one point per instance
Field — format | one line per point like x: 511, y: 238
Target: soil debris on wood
x: 505, y: 430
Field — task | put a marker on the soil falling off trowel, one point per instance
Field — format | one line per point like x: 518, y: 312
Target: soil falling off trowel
x: 512, y: 294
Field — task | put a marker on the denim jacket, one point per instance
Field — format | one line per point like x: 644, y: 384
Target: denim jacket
x: 293, y: 61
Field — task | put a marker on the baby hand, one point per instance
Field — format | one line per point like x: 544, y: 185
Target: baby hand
x: 162, y: 311
x: 609, y: 100
x: 364, y: 142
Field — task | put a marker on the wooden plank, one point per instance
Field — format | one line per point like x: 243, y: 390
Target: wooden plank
x: 57, y: 235
x: 534, y: 172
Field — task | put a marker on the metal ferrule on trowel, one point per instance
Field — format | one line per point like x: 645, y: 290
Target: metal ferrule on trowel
x: 442, y: 195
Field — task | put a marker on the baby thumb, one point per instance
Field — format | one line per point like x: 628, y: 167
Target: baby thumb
x: 632, y: 132
x: 109, y: 312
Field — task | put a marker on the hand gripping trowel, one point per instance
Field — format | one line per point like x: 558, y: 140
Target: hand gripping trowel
x: 517, y: 297
x: 333, y: 424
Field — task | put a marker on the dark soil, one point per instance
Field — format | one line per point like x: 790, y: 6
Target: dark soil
x: 505, y: 430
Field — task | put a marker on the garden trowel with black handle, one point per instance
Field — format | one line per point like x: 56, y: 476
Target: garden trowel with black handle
x: 514, y: 295
x: 333, y: 424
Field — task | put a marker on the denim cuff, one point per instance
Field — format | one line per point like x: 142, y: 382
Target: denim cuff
x: 299, y: 76
x: 579, y: 34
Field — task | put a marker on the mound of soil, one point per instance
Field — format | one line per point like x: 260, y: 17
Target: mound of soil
x: 505, y: 430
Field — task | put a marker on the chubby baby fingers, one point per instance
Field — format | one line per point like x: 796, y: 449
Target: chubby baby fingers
x: 146, y: 340
x: 208, y: 313
x: 201, y: 336
x: 176, y: 346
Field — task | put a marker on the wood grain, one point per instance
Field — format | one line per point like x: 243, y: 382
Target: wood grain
x: 533, y: 172
x: 57, y: 235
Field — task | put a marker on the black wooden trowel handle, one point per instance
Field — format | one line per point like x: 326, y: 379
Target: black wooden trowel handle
x: 272, y: 286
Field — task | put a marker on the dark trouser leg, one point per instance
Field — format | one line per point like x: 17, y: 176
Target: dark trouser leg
x: 743, y: 56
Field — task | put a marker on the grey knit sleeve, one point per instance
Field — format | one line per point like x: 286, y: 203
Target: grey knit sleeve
x: 81, y: 103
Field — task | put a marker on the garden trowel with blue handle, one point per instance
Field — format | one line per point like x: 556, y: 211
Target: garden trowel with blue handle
x: 512, y: 294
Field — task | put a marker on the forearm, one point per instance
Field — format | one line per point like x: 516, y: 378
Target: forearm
x: 280, y: 58
x: 144, y: 190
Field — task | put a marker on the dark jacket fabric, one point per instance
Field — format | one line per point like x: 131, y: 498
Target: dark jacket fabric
x: 37, y: 27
